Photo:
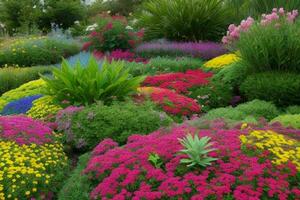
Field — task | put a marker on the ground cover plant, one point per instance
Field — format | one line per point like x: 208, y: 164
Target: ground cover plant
x: 132, y: 172
x: 26, y: 52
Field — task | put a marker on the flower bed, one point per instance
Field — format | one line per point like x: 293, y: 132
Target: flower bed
x: 31, y: 161
x: 241, y: 171
x: 180, y: 82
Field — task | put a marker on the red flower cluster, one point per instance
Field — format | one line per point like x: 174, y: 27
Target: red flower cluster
x: 180, y: 82
x: 126, y: 173
x: 172, y: 102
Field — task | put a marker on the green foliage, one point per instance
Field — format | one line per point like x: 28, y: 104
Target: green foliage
x: 155, y: 160
x: 259, y: 108
x: 61, y: 12
x: 34, y: 51
x: 293, y: 110
x: 214, y: 95
x: 183, y: 19
x: 118, y: 121
x: 283, y: 89
x: 122, y: 7
x: 160, y: 65
x: 288, y: 120
x: 232, y: 75
x: 77, y: 186
x: 86, y: 85
x: 269, y: 48
x: 254, y: 109
x: 11, y: 78
x: 197, y: 151
x: 29, y: 14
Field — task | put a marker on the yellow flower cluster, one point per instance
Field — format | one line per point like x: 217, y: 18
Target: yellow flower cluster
x: 43, y: 108
x: 221, y: 61
x: 27, y: 89
x: 27, y: 170
x: 282, y: 147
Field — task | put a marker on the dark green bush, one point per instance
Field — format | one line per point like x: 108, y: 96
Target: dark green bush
x: 283, y: 89
x: 86, y: 85
x: 118, y: 121
x: 77, y: 186
x: 37, y: 51
x: 214, y: 95
x: 259, y: 108
x: 233, y: 75
x: 183, y: 19
x: 269, y: 48
x: 164, y: 65
x: 11, y: 77
x: 293, y: 110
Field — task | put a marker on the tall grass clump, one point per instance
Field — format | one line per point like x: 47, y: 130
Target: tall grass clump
x: 183, y: 19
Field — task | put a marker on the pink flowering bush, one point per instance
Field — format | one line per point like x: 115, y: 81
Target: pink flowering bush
x: 112, y: 33
x: 24, y: 130
x: 180, y: 82
x: 276, y: 17
x: 241, y: 172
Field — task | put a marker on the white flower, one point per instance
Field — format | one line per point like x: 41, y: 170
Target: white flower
x: 34, y: 7
x: 77, y: 22
x: 129, y: 28
x: 91, y: 27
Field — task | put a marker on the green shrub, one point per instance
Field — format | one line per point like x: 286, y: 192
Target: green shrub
x: 283, y: 89
x: 11, y: 78
x: 86, y: 85
x: 77, y: 186
x: 293, y: 110
x: 37, y: 51
x: 234, y: 75
x: 258, y: 108
x: 271, y: 47
x: 224, y: 113
x: 118, y: 121
x: 214, y: 95
x: 183, y: 19
x: 288, y: 120
x: 164, y: 65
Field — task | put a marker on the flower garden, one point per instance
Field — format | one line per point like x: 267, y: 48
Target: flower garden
x: 111, y: 102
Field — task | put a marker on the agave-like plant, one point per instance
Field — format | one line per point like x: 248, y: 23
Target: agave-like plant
x: 197, y: 150
x: 86, y: 85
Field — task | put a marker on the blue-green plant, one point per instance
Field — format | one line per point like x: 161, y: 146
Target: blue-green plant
x: 86, y: 85
x: 197, y: 150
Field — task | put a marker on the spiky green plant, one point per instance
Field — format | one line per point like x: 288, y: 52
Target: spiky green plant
x: 197, y: 150
x: 86, y: 85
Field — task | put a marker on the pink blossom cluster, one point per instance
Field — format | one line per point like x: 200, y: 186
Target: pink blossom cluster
x: 119, y: 54
x: 126, y: 173
x: 234, y: 31
x: 24, y: 130
x: 180, y: 82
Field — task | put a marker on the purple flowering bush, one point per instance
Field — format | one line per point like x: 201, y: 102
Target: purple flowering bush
x: 203, y: 50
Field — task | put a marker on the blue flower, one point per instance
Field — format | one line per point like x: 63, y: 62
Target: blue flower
x: 20, y: 106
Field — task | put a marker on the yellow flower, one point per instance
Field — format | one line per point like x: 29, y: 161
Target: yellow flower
x: 221, y: 61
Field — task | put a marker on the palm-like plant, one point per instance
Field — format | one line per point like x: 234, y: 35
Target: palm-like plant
x: 183, y: 19
x: 197, y: 151
x: 86, y: 85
